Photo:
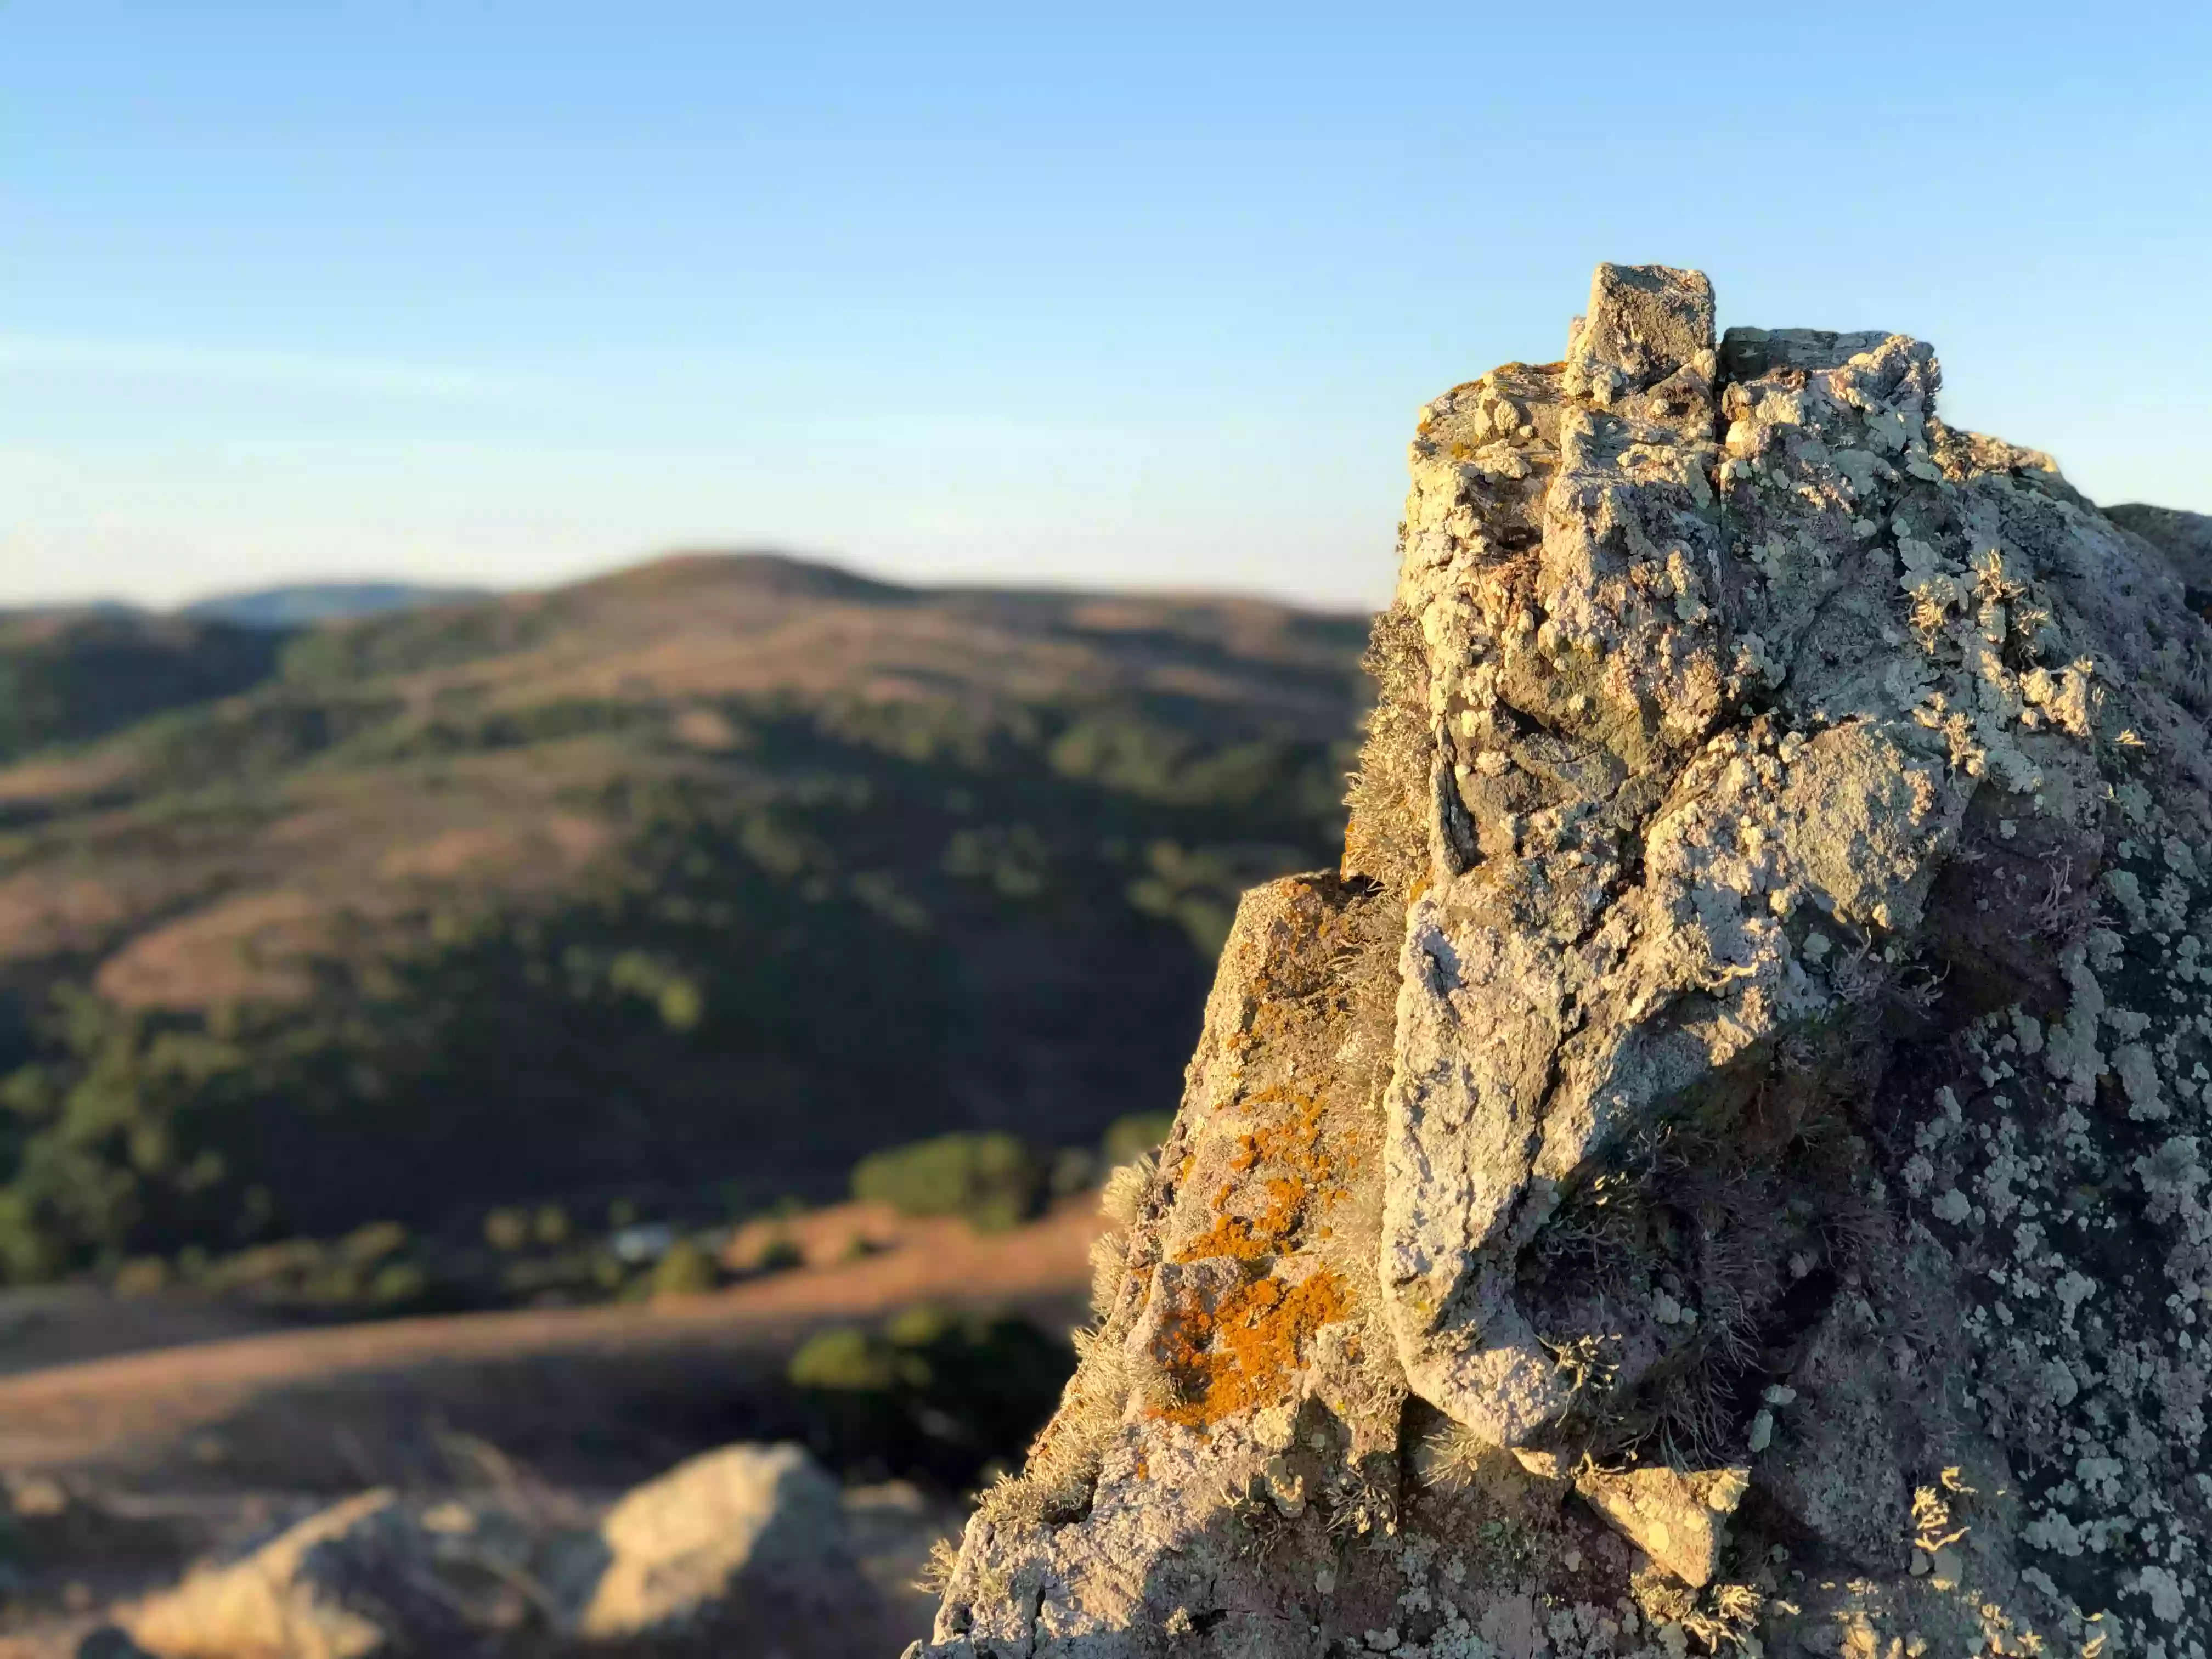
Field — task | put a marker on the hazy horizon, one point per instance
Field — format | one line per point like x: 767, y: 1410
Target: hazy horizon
x: 507, y: 298
x: 343, y: 578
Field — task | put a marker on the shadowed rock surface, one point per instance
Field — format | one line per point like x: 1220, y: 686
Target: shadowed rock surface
x: 350, y: 1582
x: 2185, y: 540
x: 1719, y: 1166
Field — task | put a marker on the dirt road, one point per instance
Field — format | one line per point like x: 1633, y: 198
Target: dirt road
x: 585, y: 1393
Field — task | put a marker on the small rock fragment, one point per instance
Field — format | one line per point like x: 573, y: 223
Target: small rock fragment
x: 1676, y: 1519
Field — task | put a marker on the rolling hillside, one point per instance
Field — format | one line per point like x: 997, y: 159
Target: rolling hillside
x: 67, y: 676
x: 690, y: 884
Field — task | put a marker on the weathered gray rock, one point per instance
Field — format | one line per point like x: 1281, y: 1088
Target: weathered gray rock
x: 741, y: 1536
x: 1676, y: 1519
x: 1723, y: 1162
x: 356, y: 1580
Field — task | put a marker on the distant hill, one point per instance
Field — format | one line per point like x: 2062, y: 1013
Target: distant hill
x: 70, y: 675
x: 306, y: 603
x: 708, y: 876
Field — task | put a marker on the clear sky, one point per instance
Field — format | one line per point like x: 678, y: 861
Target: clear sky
x: 1105, y: 296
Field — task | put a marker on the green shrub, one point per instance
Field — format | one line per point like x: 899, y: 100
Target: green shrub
x: 1074, y: 1170
x: 399, y: 1283
x: 1011, y: 859
x: 364, y: 1246
x: 28, y: 1253
x: 377, y: 1269
x: 992, y: 1179
x: 1198, y: 888
x: 847, y: 1360
x: 267, y: 1272
x: 686, y: 1270
x: 103, y: 1165
x: 1133, y: 1136
x: 647, y: 978
x: 1124, y: 750
x: 929, y: 1393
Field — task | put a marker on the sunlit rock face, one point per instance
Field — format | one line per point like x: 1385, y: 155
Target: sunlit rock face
x: 1723, y: 1162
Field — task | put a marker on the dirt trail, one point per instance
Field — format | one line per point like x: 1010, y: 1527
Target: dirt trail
x: 607, y: 1386
x: 45, y: 1326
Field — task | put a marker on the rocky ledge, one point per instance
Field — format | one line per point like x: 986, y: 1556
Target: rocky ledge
x: 1722, y: 1164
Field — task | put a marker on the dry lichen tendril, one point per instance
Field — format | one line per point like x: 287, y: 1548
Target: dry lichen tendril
x: 1931, y: 1515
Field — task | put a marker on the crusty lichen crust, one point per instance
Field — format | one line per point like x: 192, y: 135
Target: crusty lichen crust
x: 1723, y: 1164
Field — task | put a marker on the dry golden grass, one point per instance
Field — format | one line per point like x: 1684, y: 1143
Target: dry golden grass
x: 39, y: 916
x: 247, y: 946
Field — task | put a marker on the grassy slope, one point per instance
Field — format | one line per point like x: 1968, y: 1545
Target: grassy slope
x: 719, y: 872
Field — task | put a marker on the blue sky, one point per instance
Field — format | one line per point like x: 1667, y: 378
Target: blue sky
x: 507, y: 293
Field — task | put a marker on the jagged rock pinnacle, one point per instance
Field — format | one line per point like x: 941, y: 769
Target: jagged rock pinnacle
x: 1720, y: 1164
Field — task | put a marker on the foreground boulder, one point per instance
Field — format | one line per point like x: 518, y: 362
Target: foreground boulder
x: 748, y: 1545
x: 1723, y: 1161
x: 356, y: 1580
x: 747, y: 1539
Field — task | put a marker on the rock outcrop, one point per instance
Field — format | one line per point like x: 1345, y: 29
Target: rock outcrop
x: 735, y: 1539
x: 1724, y: 1161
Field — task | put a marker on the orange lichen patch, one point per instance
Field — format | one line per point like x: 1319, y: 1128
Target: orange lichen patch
x: 1282, y: 1206
x: 1293, y: 1138
x: 1298, y: 1172
x: 1238, y: 1354
x: 1243, y: 1238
